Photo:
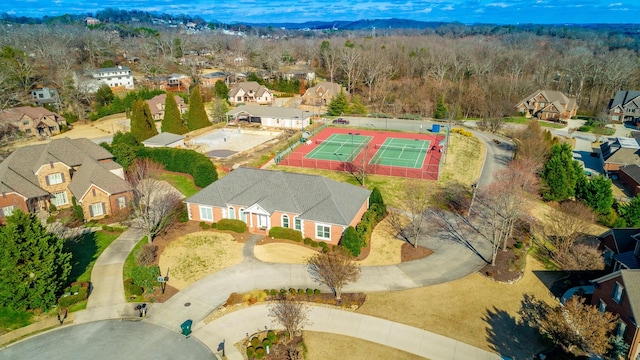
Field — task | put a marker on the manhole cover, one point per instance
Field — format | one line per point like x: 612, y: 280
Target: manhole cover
x: 187, y: 304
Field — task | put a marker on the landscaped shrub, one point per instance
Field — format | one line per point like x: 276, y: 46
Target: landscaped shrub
x: 146, y: 255
x: 183, y: 214
x: 352, y: 241
x: 255, y: 341
x: 309, y: 291
x: 204, y: 225
x: 324, y: 246
x: 238, y: 226
x: 266, y: 342
x: 314, y: 243
x: 77, y: 209
x: 285, y: 233
x: 131, y: 288
x: 271, y: 336
x: 260, y: 352
x: 146, y: 277
x: 462, y: 132
x: 274, y: 292
x: 185, y: 161
x: 250, y: 352
x: 292, y: 291
x: 283, y: 292
x: 316, y: 291
x: 300, y: 291
x: 307, y: 241
x: 67, y: 301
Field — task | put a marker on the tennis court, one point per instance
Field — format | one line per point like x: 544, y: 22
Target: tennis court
x: 408, y: 153
x: 340, y: 147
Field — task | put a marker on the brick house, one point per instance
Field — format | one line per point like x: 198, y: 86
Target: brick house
x: 548, y: 105
x: 619, y: 152
x: 621, y: 248
x: 319, y: 208
x: 625, y: 106
x: 33, y: 121
x: 157, y: 103
x: 35, y: 177
x: 629, y: 175
x: 250, y: 92
x: 321, y: 94
x: 619, y: 293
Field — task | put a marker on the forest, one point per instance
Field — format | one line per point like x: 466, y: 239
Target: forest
x: 479, y: 71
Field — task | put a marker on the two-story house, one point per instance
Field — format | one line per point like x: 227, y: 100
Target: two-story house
x: 33, y: 121
x: 44, y: 96
x: 548, y: 105
x: 321, y: 94
x: 621, y: 248
x: 114, y: 77
x: 619, y: 293
x: 619, y: 152
x: 157, y: 103
x: 250, y: 92
x: 625, y: 106
x: 35, y: 177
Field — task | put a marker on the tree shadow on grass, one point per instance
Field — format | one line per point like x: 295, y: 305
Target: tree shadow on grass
x: 510, y: 338
x: 83, y: 252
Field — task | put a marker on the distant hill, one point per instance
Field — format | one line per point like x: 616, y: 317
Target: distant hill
x: 352, y: 25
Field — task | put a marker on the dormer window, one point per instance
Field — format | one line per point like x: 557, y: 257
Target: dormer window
x: 55, y: 179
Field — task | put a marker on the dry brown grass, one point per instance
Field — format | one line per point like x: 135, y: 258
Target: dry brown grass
x: 470, y: 310
x: 196, y: 255
x: 283, y: 253
x: 463, y: 161
x: 322, y: 346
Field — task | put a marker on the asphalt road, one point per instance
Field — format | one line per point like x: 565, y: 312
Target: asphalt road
x: 109, y: 340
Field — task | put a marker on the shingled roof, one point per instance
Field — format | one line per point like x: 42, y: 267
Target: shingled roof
x: 248, y: 86
x: 623, y: 151
x: 18, y: 170
x: 623, y: 97
x: 313, y: 197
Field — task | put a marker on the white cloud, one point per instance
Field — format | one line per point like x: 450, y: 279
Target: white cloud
x: 448, y: 8
x: 499, y: 4
x: 615, y: 4
x: 426, y: 11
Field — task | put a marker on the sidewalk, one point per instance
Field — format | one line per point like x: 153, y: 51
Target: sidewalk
x: 107, y: 300
x: 234, y: 327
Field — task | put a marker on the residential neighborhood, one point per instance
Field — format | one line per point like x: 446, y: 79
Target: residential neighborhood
x: 175, y: 187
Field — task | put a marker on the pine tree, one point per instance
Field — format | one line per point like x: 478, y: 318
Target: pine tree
x: 221, y: 90
x: 197, y: 118
x: 352, y: 241
x: 441, y: 109
x: 596, y: 193
x: 142, y: 124
x: 33, y: 264
x: 339, y: 105
x: 560, y: 174
x: 104, y: 95
x: 172, y: 120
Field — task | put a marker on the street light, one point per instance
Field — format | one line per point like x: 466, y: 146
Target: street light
x: 352, y: 134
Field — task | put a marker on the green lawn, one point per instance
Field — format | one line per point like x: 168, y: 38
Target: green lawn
x: 524, y: 121
x: 85, y: 252
x: 183, y: 183
x: 13, y: 319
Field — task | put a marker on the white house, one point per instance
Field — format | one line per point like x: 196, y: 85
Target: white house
x: 270, y: 116
x: 114, y: 76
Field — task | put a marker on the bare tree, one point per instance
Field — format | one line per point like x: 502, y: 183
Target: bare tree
x: 291, y: 314
x: 410, y: 222
x: 564, y: 227
x: 581, y: 257
x: 155, y: 203
x: 334, y: 269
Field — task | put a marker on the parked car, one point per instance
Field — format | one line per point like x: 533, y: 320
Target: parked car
x: 340, y: 121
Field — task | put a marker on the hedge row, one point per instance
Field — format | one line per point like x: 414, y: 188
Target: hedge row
x: 354, y: 239
x: 184, y: 161
x: 285, y: 233
x: 79, y: 292
x: 238, y: 226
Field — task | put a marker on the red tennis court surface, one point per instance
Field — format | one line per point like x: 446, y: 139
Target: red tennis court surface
x: 428, y: 171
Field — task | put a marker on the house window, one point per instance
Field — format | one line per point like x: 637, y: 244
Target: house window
x: 285, y: 220
x: 323, y: 231
x: 615, y: 118
x: 297, y: 224
x: 232, y: 212
x: 239, y: 98
x: 608, y: 256
x: 54, y: 179
x: 96, y: 209
x: 602, y: 306
x: 25, y: 123
x: 621, y: 329
x: 206, y: 213
x: 616, y: 110
x: 7, y: 211
x: 617, y: 293
x: 243, y: 215
x: 59, y: 198
x: 121, y: 202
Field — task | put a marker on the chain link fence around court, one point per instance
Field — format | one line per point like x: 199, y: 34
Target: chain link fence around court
x: 297, y: 141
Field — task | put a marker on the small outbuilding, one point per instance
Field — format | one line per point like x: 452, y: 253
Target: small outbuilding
x: 165, y: 140
x: 270, y: 116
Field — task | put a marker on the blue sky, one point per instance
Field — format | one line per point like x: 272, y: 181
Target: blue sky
x: 262, y: 11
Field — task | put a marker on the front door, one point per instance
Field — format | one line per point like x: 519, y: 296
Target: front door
x: 262, y: 221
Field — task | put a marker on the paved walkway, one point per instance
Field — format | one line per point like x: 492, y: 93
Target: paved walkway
x: 107, y: 299
x: 234, y: 327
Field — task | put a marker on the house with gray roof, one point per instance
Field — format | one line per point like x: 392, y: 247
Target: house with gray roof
x: 619, y: 293
x: 270, y: 116
x: 319, y: 208
x: 548, y: 105
x: 165, y: 139
x: 619, y: 152
x: 625, y: 106
x: 250, y: 92
x: 321, y: 94
x: 33, y: 178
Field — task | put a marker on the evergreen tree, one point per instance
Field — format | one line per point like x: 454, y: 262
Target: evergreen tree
x: 197, y: 118
x: 219, y: 108
x: 172, y: 120
x: 339, y: 105
x: 357, y: 107
x: 441, y: 109
x: 221, y: 90
x: 560, y: 174
x: 104, y: 95
x: 352, y: 241
x: 33, y: 265
x: 375, y: 197
x: 630, y: 212
x: 596, y: 193
x: 142, y: 124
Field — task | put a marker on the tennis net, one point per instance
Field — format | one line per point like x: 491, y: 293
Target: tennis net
x: 401, y: 148
x: 342, y: 143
